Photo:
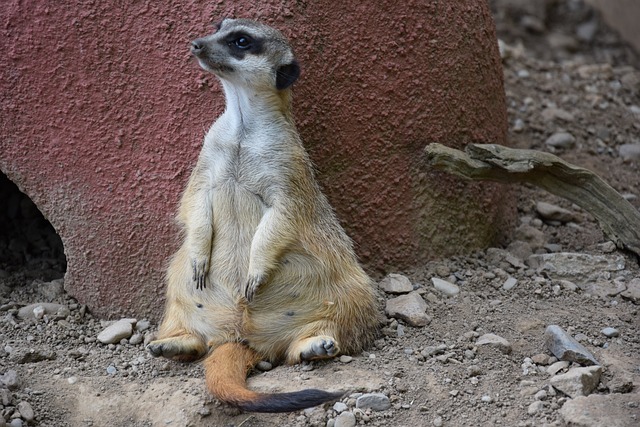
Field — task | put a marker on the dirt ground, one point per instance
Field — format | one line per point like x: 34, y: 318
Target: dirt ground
x: 565, y: 73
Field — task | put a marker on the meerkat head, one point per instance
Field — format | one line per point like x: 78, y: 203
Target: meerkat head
x: 248, y: 53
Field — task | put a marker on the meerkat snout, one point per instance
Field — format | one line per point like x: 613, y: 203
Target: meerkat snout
x: 197, y: 47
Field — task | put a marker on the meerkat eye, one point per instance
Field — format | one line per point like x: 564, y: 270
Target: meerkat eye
x: 243, y: 42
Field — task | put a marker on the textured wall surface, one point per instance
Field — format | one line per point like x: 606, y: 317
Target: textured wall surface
x: 103, y: 113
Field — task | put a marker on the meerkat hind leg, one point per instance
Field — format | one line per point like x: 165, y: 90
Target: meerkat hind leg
x: 181, y: 348
x: 313, y: 348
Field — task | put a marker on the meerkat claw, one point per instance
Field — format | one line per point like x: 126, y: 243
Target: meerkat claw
x: 199, y: 274
x: 253, y: 283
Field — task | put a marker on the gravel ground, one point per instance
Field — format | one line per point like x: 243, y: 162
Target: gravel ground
x: 475, y: 355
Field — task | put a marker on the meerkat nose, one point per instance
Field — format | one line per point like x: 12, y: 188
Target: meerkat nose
x: 197, y: 47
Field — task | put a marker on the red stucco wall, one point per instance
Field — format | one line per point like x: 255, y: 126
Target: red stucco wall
x: 103, y: 113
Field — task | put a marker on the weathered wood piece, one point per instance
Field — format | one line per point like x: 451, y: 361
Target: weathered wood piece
x: 619, y: 220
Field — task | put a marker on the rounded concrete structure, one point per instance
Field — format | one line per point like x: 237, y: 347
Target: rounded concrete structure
x: 103, y: 114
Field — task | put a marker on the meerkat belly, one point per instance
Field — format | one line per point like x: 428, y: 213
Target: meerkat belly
x: 289, y: 304
x: 237, y: 213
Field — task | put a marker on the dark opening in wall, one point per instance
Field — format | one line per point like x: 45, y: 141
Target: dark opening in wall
x: 30, y: 248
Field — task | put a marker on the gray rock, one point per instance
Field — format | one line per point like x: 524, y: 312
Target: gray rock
x: 396, y: 284
x: 540, y: 359
x: 5, y: 397
x: 629, y: 152
x: 447, y: 288
x: 519, y: 249
x: 136, y: 338
x: 610, y: 332
x: 117, y: 331
x: 373, y: 401
x: 632, y: 292
x: 340, y: 407
x: 52, y: 290
x: 50, y: 308
x: 531, y: 235
x: 587, y: 30
x: 345, y: 419
x: 32, y: 355
x: 26, y: 411
x: 561, y: 140
x: 510, y: 283
x: 411, y: 308
x: 553, y: 113
x: 577, y: 381
x: 495, y: 341
x: 536, y: 407
x: 264, y: 366
x: 580, y: 268
x: 10, y: 379
x: 564, y: 347
x: 16, y: 422
x: 611, y: 410
x: 142, y: 325
x: 347, y: 359
x: 551, y: 212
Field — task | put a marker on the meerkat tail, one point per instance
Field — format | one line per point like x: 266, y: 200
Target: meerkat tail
x: 226, y: 370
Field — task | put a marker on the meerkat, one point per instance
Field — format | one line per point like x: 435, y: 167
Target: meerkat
x: 265, y: 271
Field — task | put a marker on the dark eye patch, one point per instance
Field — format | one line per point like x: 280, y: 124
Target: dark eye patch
x: 240, y: 43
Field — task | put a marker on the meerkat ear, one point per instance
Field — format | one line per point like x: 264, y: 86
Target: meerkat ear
x: 286, y: 75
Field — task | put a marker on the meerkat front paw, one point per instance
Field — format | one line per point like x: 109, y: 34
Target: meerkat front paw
x: 200, y: 271
x: 252, y: 285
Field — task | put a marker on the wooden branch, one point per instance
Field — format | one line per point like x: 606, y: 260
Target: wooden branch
x: 619, y: 220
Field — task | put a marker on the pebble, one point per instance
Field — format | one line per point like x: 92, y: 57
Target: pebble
x: 540, y: 359
x: 610, y: 332
x: 447, y: 288
x: 577, y: 381
x: 10, y: 379
x: 629, y: 152
x: 561, y: 140
x: 59, y: 310
x: 540, y: 395
x: 345, y: 419
x: 345, y: 359
x: 16, y: 422
x: 396, y: 284
x: 552, y: 113
x: 579, y: 267
x: 536, y: 407
x: 556, y: 367
x: 26, y: 411
x: 474, y: 370
x: 486, y: 398
x: 143, y: 325
x: 562, y: 346
x: 437, y: 422
x: 599, y: 410
x: 510, y: 283
x: 111, y: 370
x: 117, y: 331
x: 552, y: 212
x: 264, y: 366
x: 632, y: 292
x: 340, y: 407
x: 136, y: 339
x: 518, y: 125
x: 373, y: 401
x: 492, y: 340
x: 410, y: 307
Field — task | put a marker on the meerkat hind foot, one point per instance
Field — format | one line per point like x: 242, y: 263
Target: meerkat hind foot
x: 318, y: 347
x: 182, y: 348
